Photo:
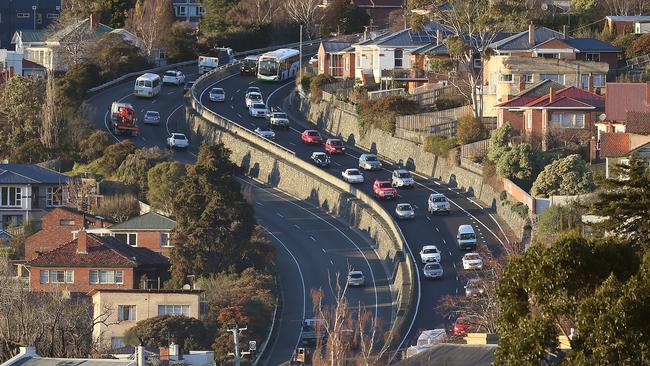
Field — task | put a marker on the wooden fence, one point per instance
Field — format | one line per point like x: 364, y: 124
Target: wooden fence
x: 372, y: 95
x: 426, y: 122
x: 341, y: 89
x: 428, y: 97
x: 475, y: 149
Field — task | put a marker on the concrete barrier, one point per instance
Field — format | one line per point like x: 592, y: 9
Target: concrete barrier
x: 277, y: 166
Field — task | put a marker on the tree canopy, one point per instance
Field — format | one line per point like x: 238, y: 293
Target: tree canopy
x: 163, y: 181
x: 567, y: 176
x: 190, y: 334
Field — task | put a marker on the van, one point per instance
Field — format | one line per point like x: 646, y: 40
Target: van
x: 466, y: 237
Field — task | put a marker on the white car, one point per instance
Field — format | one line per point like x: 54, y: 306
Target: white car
x: 265, y: 132
x: 432, y: 270
x: 173, y: 77
x: 402, y: 178
x: 253, y: 89
x: 356, y: 278
x: 437, y: 203
x: 472, y: 261
x: 217, y: 95
x: 429, y: 253
x: 405, y: 211
x: 257, y: 110
x: 369, y: 162
x: 278, y: 119
x: 178, y: 140
x: 352, y: 175
x: 252, y: 98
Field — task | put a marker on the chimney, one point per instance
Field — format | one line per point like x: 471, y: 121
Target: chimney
x: 438, y: 36
x: 590, y: 82
x: 565, y: 31
x: 139, y: 356
x: 551, y: 95
x: 82, y: 242
x: 531, y: 34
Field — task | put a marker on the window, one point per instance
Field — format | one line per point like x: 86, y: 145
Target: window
x: 592, y: 57
x: 56, y: 276
x: 117, y: 342
x: 321, y: 64
x: 399, y: 57
x: 529, y: 121
x: 199, y: 11
x: 505, y: 78
x: 165, y: 240
x: 101, y: 277
x: 174, y: 310
x: 126, y: 312
x: 181, y: 11
x: 128, y: 238
x: 549, y: 55
x: 558, y: 78
x: 599, y: 80
x: 22, y: 15
x: 357, y: 57
x: 477, y: 63
x: 568, y: 120
x: 54, y: 197
x: 52, y: 16
x: 11, y: 196
x: 66, y: 222
x: 527, y: 78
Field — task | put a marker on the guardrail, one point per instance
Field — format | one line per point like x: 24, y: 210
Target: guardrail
x: 404, y: 297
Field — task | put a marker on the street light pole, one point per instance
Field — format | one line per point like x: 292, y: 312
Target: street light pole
x: 300, y: 57
x: 236, y: 331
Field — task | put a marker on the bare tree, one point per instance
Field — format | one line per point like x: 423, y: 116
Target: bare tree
x: 261, y: 11
x: 625, y: 7
x: 150, y: 21
x: 305, y: 12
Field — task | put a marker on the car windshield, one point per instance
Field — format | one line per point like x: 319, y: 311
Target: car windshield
x: 253, y: 89
x: 254, y: 96
x: 404, y: 175
x: 180, y: 137
x: 264, y: 129
x: 385, y: 185
x: 471, y: 257
x: 353, y: 172
x: 430, y: 251
x: 336, y: 142
x: 438, y: 199
x: 313, y: 133
x: 259, y: 106
x: 170, y: 73
x: 280, y: 115
x: 371, y: 158
x: 467, y: 236
x: 404, y: 207
x: 433, y: 266
x: 217, y: 91
x: 152, y: 114
x: 356, y: 275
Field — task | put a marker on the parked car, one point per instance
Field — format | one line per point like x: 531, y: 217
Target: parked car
x: 257, y: 110
x: 311, y: 137
x: 405, y: 211
x: 151, y: 118
x: 383, y: 189
x: 437, y: 203
x: 253, y: 89
x: 188, y: 86
x: 466, y: 237
x: 217, y: 95
x: 173, y: 77
x: 369, y: 162
x: 253, y: 98
x: 277, y: 119
x: 178, y: 140
x: 402, y: 178
x: 472, y: 261
x: 429, y: 253
x: 432, y: 270
x: 320, y: 158
x: 334, y: 146
x: 352, y: 175
x: 356, y: 278
x: 265, y: 132
x: 474, y: 287
x: 466, y: 324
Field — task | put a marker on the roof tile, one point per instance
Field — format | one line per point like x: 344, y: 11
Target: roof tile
x: 637, y: 122
x: 614, y: 145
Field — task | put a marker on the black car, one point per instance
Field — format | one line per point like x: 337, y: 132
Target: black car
x: 321, y: 159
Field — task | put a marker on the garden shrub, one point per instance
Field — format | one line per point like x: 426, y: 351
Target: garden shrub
x: 381, y: 113
x: 520, y: 209
x: 439, y: 145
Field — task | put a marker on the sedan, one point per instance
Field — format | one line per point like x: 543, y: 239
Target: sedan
x: 217, y: 95
x: 321, y: 159
x: 352, y: 176
x: 472, y: 261
x: 334, y: 146
x: 466, y: 324
x: 474, y: 287
x: 311, y: 137
x: 432, y: 270
x: 252, y: 98
x: 405, y: 211
x: 356, y: 278
x: 429, y: 253
x: 265, y: 132
x: 253, y: 89
x: 151, y: 118
x: 257, y: 110
x: 173, y: 77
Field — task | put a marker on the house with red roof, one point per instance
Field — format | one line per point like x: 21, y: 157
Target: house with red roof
x: 569, y: 109
x: 91, y: 262
x: 616, y: 149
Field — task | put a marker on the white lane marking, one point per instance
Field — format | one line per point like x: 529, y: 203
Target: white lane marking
x: 296, y: 226
x: 194, y: 155
x: 332, y: 263
x: 312, y: 238
x: 279, y: 214
x: 237, y: 91
x: 302, y: 281
x: 438, y: 230
x: 456, y: 290
x: 428, y: 218
x: 213, y: 84
x: 171, y: 92
x: 450, y: 253
x: 169, y: 117
x: 416, y: 206
x: 143, y: 139
x: 324, y: 251
x: 259, y: 203
x: 239, y: 115
x: 292, y: 143
x: 454, y: 265
x: 337, y: 164
x: 154, y: 101
x: 232, y: 106
x: 278, y: 89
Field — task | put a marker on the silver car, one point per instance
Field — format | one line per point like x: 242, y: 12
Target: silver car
x: 257, y: 110
x: 217, y: 95
x: 405, y: 211
x: 265, y: 132
x: 432, y: 270
x: 369, y: 162
x: 151, y: 118
x: 356, y: 278
x: 437, y: 203
x: 474, y: 287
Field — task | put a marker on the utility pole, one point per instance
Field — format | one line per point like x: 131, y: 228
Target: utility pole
x: 300, y: 57
x: 236, y: 331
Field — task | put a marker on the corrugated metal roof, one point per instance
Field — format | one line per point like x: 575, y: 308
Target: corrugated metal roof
x: 614, y: 145
x: 629, y: 18
x: 519, y: 41
x: 333, y: 47
x: 30, y: 174
x: 31, y: 35
x: 624, y: 97
x: 453, y: 354
x: 84, y: 24
x: 408, y: 37
x: 149, y: 221
x: 591, y: 45
x: 438, y: 49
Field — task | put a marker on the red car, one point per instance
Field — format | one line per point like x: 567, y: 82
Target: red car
x: 383, y: 189
x: 311, y: 137
x: 334, y: 146
x: 465, y: 324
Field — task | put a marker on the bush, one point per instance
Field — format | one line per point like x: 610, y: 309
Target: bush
x: 30, y: 152
x: 116, y: 56
x: 469, y: 129
x: 439, y: 145
x: 316, y: 85
x: 449, y: 101
x: 134, y: 168
x: 520, y: 209
x: 189, y: 333
x: 181, y: 43
x: 163, y: 181
x: 557, y: 219
x: 567, y: 176
x: 500, y: 141
x: 76, y: 81
x: 118, y: 208
x: 94, y: 145
x: 113, y: 157
x: 305, y: 81
x: 381, y: 113
x: 633, y: 45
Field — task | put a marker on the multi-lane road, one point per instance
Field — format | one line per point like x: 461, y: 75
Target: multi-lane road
x: 312, y: 247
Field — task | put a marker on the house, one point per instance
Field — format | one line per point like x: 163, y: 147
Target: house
x: 96, y: 262
x: 526, y: 58
x: 121, y: 309
x: 509, y: 111
x: 28, y: 357
x: 616, y: 148
x: 27, y: 192
x: 379, y: 11
x: 12, y: 63
x: 627, y: 109
x: 568, y: 109
x: 157, y: 56
x: 336, y: 58
x: 151, y: 230
x: 191, y: 11
x: 58, y: 50
x: 621, y: 24
x: 26, y: 14
x: 57, y: 227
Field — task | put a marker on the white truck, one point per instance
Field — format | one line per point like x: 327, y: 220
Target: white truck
x: 216, y: 57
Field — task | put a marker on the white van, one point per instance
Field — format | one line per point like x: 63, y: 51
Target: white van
x: 147, y: 85
x: 466, y: 237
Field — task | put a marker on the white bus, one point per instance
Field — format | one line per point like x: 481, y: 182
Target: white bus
x: 278, y: 65
x: 147, y: 85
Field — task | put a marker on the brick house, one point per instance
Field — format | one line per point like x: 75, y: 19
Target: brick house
x: 123, y: 308
x: 57, y: 228
x: 93, y: 262
x: 336, y: 58
x: 616, y: 148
